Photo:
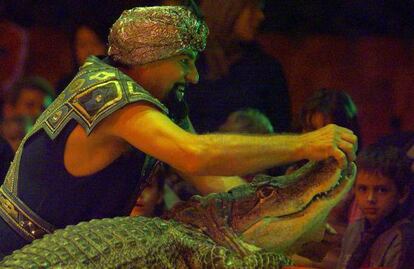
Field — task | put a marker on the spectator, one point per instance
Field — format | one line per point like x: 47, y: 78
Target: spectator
x: 29, y: 97
x: 6, y: 152
x: 249, y: 121
x: 383, y: 189
x: 327, y: 106
x: 13, y: 52
x: 234, y: 72
x: 151, y: 201
x: 87, y: 39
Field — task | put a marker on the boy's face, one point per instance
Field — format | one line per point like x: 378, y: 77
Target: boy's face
x: 376, y: 195
x: 30, y: 103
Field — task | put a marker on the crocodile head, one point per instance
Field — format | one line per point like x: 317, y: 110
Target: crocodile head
x: 273, y: 213
x: 282, y: 213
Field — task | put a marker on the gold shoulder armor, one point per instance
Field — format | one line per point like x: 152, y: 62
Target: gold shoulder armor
x: 97, y: 91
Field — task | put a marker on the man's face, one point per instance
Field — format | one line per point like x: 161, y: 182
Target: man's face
x: 376, y: 195
x: 160, y: 77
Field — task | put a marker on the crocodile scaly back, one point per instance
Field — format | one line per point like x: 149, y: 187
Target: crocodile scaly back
x: 134, y: 242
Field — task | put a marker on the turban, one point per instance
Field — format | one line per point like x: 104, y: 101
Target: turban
x: 146, y: 34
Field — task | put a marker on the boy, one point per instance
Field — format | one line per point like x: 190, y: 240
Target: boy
x: 382, y: 191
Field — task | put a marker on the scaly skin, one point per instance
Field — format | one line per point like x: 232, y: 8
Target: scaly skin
x: 139, y: 242
x: 248, y: 227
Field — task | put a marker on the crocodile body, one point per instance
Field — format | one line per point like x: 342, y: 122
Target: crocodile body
x: 118, y: 243
x: 248, y: 227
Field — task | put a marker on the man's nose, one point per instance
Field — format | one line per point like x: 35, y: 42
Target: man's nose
x: 192, y: 76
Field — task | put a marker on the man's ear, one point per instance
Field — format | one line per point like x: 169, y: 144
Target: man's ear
x: 405, y: 193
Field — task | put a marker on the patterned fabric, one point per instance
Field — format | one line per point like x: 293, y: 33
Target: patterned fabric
x: 39, y: 192
x: 97, y: 91
x: 146, y: 34
x: 388, y: 245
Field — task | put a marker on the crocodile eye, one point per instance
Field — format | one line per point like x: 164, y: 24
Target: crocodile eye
x: 265, y: 192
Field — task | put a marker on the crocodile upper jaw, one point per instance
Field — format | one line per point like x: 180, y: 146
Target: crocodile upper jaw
x: 285, y: 231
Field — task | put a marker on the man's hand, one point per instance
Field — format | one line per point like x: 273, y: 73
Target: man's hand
x: 330, y: 141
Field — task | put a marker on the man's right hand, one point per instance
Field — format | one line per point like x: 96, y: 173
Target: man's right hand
x: 329, y: 141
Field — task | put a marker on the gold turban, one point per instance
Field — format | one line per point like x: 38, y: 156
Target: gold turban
x: 146, y: 34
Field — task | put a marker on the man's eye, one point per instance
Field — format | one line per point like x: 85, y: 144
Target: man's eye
x: 185, y: 61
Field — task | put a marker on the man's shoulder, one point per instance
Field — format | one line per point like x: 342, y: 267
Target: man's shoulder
x: 97, y: 91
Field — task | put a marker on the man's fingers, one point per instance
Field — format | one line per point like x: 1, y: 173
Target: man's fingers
x: 340, y: 157
x: 350, y: 137
x: 348, y: 142
x: 349, y: 149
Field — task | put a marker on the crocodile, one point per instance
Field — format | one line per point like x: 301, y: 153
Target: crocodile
x: 255, y: 225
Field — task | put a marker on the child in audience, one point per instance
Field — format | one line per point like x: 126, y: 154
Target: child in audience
x: 150, y: 203
x: 383, y: 190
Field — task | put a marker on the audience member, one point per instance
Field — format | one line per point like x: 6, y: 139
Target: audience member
x: 6, y: 152
x: 249, y: 121
x: 327, y: 106
x: 404, y: 141
x: 13, y: 52
x: 87, y: 39
x: 383, y: 188
x: 6, y: 156
x: 13, y: 130
x: 151, y: 201
x: 234, y: 72
x: 28, y: 98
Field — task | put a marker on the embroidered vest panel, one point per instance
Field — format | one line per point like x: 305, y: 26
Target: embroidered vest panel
x: 96, y: 92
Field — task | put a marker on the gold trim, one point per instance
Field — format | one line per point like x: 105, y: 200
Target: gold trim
x: 19, y: 219
x: 90, y: 119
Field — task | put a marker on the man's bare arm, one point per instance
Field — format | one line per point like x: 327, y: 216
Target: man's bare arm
x: 212, y: 184
x: 147, y: 129
x: 208, y: 184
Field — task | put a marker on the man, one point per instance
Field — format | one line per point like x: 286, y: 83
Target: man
x: 88, y: 154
